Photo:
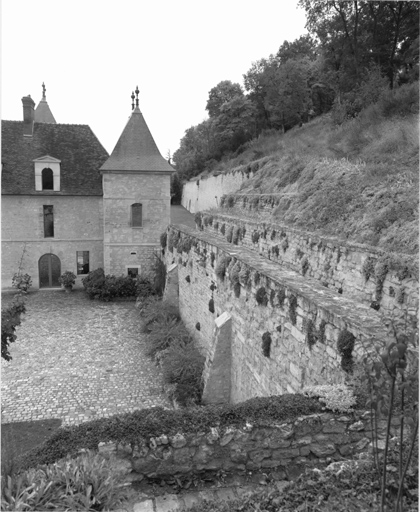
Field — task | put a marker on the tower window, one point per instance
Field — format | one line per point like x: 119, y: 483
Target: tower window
x: 48, y: 221
x: 47, y: 179
x: 136, y: 215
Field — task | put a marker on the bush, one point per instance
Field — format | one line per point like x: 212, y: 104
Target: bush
x: 10, y: 319
x: 164, y: 332
x: 21, y: 281
x: 155, y: 310
x: 145, y: 287
x: 107, y: 288
x: 88, y: 482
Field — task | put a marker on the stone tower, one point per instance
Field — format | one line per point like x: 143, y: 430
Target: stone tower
x: 136, y: 198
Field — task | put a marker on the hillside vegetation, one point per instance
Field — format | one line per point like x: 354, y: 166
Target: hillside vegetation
x: 356, y: 181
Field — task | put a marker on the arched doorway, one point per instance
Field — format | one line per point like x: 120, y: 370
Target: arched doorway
x: 49, y: 271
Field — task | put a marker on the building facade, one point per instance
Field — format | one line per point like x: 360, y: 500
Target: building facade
x: 68, y: 205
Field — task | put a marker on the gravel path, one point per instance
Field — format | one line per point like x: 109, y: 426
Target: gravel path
x: 77, y: 360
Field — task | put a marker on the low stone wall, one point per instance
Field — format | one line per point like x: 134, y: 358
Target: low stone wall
x: 354, y: 270
x: 284, y: 328
x: 287, y: 448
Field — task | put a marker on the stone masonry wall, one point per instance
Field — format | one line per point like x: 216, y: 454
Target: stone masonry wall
x: 204, y: 193
x: 78, y: 226
x: 302, y: 318
x: 340, y: 266
x: 125, y: 245
x: 287, y: 448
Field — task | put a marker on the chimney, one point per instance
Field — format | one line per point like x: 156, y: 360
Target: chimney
x: 28, y: 115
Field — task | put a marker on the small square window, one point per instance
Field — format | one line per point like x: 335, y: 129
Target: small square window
x: 133, y: 272
x: 82, y: 260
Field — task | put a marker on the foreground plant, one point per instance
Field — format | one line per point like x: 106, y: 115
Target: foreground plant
x: 88, y: 482
x: 393, y: 381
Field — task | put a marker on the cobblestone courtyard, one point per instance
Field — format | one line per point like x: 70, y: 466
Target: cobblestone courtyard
x: 77, y: 360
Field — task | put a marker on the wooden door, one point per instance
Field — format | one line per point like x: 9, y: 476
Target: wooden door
x: 49, y: 271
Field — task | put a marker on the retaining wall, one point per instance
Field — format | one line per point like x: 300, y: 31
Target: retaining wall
x: 303, y: 319
x: 354, y: 270
x: 287, y: 448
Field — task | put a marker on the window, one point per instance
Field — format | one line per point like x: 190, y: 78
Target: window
x: 136, y: 215
x: 48, y: 221
x: 133, y: 272
x: 47, y: 179
x: 82, y: 261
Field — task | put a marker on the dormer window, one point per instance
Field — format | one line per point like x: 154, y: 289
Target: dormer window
x: 47, y: 179
x: 47, y: 173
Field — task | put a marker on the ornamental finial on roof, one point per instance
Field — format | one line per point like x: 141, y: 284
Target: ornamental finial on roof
x: 43, y: 91
x: 132, y: 100
x: 137, y: 96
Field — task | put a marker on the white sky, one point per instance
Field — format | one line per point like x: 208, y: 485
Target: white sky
x: 91, y: 54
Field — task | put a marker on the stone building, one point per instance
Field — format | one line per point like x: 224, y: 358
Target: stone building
x: 68, y: 205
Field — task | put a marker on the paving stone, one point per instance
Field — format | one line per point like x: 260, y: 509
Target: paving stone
x: 226, y: 494
x: 64, y: 347
x: 143, y: 506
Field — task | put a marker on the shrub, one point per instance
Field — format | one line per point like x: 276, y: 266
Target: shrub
x: 173, y: 239
x: 10, y: 319
x: 87, y: 482
x: 155, y: 310
x: 21, y: 281
x: 255, y: 237
x: 67, y: 279
x: 182, y: 364
x: 144, y: 287
x: 106, y: 288
x: 163, y: 333
x: 185, y: 244
x: 345, y: 345
x: 266, y: 344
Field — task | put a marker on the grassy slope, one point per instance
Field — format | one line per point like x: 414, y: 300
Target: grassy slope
x: 358, y: 182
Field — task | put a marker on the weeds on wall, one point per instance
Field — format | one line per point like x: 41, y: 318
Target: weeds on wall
x: 281, y: 296
x: 198, y: 217
x: 212, y: 258
x: 173, y: 239
x: 229, y: 234
x: 245, y: 276
x: 211, y: 306
x: 345, y: 346
x: 185, y: 244
x: 292, y: 308
x: 285, y: 244
x: 222, y: 265
x: 311, y: 334
x: 223, y: 229
x: 266, y: 344
x: 261, y: 296
x: 275, y: 249
x: 255, y: 237
x: 216, y: 225
x: 304, y: 263
x: 163, y: 239
x: 236, y: 235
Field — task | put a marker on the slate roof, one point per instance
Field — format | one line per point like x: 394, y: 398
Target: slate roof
x: 136, y: 150
x: 77, y: 147
x: 43, y: 113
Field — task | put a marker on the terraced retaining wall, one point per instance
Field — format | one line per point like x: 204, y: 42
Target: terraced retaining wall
x: 284, y: 328
x: 202, y: 193
x: 288, y: 448
x: 354, y: 270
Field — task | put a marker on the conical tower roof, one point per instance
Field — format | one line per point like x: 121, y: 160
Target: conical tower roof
x: 136, y: 150
x: 43, y: 113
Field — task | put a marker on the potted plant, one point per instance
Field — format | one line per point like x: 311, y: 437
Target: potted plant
x: 67, y: 280
x: 21, y: 281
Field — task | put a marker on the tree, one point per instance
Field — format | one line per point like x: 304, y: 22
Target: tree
x: 305, y: 46
x: 222, y: 93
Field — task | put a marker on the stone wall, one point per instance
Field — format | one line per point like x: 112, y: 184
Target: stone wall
x: 205, y: 193
x: 354, y: 270
x: 301, y: 319
x: 77, y: 227
x: 287, y: 448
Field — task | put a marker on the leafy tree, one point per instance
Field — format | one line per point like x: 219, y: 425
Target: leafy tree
x: 10, y: 319
x: 305, y: 46
x: 222, y: 93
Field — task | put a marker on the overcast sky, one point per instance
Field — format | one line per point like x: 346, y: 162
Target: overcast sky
x: 91, y: 54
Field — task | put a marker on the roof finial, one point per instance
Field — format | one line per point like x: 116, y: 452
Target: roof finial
x: 132, y: 100
x: 137, y: 96
x: 43, y: 91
